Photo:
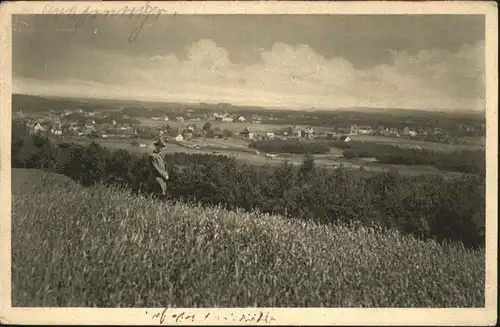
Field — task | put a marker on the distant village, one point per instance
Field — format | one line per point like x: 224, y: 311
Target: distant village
x: 78, y: 122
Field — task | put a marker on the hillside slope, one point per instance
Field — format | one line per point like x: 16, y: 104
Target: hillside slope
x: 104, y: 247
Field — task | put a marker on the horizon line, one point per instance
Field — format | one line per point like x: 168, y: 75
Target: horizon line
x: 309, y: 109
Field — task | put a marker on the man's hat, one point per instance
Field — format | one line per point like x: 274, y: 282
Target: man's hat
x: 160, y: 143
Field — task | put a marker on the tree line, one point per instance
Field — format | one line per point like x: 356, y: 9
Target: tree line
x: 465, y: 161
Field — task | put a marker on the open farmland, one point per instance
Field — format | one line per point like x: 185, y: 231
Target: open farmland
x: 135, y: 252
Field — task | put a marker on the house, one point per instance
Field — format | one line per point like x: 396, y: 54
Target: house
x: 365, y: 130
x: 438, y: 131
x: 309, y: 132
x: 56, y: 131
x: 179, y: 138
x: 180, y: 119
x: 166, y: 118
x: 37, y: 128
x: 270, y: 135
x: 73, y: 128
x: 382, y: 131
x: 241, y: 118
x: 409, y: 132
x: 246, y: 133
x: 354, y: 130
x: 227, y: 119
x: 413, y: 133
x: 20, y: 114
x: 393, y: 131
x: 142, y: 145
x: 298, y: 132
x: 422, y: 131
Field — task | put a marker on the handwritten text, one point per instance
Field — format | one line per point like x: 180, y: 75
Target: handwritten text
x: 184, y: 316
x: 81, y: 15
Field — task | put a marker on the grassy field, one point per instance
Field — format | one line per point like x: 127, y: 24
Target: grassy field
x: 104, y: 247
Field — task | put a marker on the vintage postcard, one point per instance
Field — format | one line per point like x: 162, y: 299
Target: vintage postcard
x: 249, y: 163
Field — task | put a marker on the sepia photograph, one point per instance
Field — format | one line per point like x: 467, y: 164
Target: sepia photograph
x: 182, y: 159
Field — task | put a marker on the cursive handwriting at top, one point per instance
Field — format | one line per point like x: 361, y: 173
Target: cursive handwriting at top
x: 185, y: 316
x: 144, y: 12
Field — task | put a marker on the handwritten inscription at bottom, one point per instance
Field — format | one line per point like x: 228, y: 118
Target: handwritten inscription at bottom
x: 164, y: 316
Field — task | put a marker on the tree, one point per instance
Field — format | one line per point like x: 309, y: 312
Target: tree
x: 86, y: 164
x: 227, y: 133
x: 308, y: 166
x: 206, y: 128
x: 173, y: 132
x: 209, y: 133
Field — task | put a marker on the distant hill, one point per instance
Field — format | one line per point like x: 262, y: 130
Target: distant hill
x: 34, y: 104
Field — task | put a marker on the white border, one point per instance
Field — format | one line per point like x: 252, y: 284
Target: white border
x: 281, y: 316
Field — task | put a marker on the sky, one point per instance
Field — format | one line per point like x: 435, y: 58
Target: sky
x: 289, y: 61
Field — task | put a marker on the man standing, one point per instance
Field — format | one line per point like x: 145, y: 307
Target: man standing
x: 159, y: 169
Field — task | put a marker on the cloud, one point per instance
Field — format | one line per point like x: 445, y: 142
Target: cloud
x: 286, y: 75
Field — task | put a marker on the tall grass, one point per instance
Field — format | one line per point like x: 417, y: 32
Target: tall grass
x: 75, y: 246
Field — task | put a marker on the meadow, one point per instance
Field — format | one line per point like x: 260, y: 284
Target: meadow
x: 104, y: 246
